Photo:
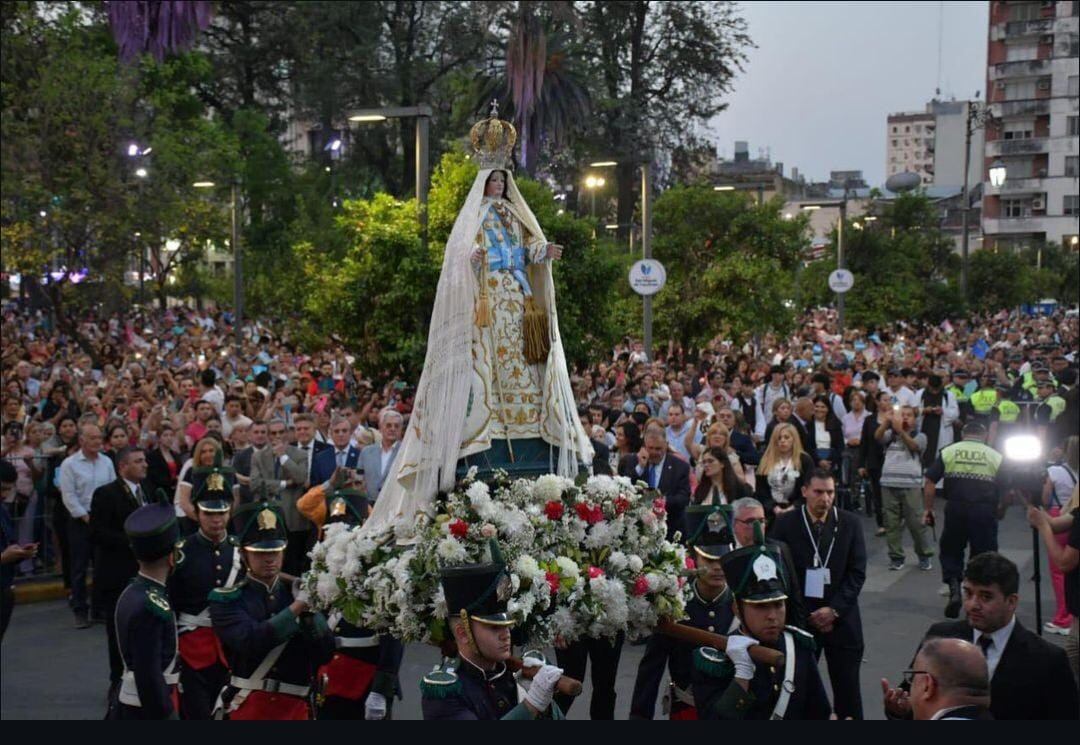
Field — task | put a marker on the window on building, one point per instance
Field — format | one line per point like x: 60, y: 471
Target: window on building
x: 1074, y: 121
x: 1016, y: 208
x: 894, y: 130
x: 894, y: 142
x: 918, y: 128
x: 1074, y: 85
x: 1019, y: 90
x: 1024, y: 11
x: 907, y: 130
x: 1021, y: 52
x: 1017, y: 168
x: 1072, y: 165
x: 1070, y: 205
x: 1021, y: 130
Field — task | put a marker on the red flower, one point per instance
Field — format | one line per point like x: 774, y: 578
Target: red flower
x: 459, y: 528
x: 659, y: 506
x: 641, y: 586
x: 622, y: 504
x: 690, y: 563
x: 595, y: 572
x: 553, y: 582
x: 553, y: 510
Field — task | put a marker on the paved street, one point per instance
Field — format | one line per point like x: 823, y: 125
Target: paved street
x: 52, y: 671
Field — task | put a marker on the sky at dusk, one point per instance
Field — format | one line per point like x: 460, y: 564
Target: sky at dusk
x: 824, y: 76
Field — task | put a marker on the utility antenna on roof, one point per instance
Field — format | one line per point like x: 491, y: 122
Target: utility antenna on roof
x: 940, y: 36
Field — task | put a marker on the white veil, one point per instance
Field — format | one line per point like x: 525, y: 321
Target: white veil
x: 428, y: 456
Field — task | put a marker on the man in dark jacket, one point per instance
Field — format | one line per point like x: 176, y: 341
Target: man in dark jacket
x: 830, y: 565
x: 1030, y: 678
x: 114, y: 563
x: 664, y: 472
x: 872, y: 457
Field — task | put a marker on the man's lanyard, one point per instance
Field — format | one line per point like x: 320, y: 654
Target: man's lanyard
x: 814, y: 543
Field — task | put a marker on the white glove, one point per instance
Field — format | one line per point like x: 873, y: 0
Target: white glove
x: 542, y: 686
x: 375, y: 706
x: 738, y: 651
x: 299, y: 590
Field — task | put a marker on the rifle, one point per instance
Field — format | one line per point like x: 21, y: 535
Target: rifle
x: 759, y: 653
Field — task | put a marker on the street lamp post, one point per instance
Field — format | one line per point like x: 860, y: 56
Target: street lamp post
x: 592, y: 183
x: 842, y: 205
x: 977, y: 117
x: 234, y: 239
x: 422, y: 113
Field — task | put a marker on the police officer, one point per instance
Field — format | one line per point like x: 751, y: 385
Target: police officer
x: 983, y: 400
x: 361, y: 679
x: 709, y: 608
x: 145, y: 626
x: 272, y: 640
x: 729, y: 684
x: 477, y: 683
x: 1050, y: 407
x: 973, y: 481
x: 958, y: 387
x: 206, y: 560
x: 1004, y: 417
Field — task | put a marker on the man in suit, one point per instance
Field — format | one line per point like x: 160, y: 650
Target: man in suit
x: 304, y: 426
x: 241, y: 462
x: 949, y: 682
x: 114, y: 563
x: 830, y: 565
x: 1030, y: 678
x: 802, y: 416
x: 378, y: 459
x: 341, y: 455
x: 747, y: 517
x: 279, y: 474
x: 667, y: 474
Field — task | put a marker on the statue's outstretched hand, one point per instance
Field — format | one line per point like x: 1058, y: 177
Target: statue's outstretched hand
x: 554, y: 251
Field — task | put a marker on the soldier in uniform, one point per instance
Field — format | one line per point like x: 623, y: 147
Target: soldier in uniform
x: 477, y: 683
x: 145, y: 626
x: 361, y: 679
x: 206, y: 560
x: 730, y: 685
x: 709, y: 608
x: 273, y: 641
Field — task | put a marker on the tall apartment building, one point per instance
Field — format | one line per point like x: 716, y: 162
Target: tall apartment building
x: 1033, y: 88
x: 909, y: 144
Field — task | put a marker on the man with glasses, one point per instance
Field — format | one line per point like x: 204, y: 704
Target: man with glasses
x: 279, y: 474
x: 948, y: 682
x: 748, y: 516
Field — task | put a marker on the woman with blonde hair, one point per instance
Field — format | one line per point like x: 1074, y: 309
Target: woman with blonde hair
x: 782, y: 470
x: 718, y: 437
x: 207, y: 452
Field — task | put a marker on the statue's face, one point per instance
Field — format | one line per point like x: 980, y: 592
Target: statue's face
x: 496, y: 184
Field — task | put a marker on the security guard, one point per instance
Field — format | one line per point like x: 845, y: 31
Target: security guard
x: 1004, y: 417
x: 477, y: 683
x: 709, y: 608
x: 145, y: 626
x: 361, y: 679
x: 1051, y: 406
x: 273, y: 641
x: 983, y: 400
x: 729, y: 684
x: 206, y: 560
x: 973, y: 490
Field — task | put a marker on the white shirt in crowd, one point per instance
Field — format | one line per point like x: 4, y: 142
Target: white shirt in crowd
x: 903, y: 396
x: 215, y: 397
x: 79, y: 477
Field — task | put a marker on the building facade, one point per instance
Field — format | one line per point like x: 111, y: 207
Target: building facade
x: 1033, y: 91
x: 909, y: 144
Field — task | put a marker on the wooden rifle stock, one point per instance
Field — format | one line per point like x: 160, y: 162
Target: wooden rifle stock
x: 759, y: 653
x: 566, y: 686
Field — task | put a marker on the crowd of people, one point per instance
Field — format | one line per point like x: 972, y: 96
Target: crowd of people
x: 794, y: 435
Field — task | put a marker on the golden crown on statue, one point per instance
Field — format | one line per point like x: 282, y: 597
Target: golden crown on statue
x: 493, y: 141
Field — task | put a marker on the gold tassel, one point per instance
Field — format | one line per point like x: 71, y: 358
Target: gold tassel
x: 536, y: 332
x: 483, y: 310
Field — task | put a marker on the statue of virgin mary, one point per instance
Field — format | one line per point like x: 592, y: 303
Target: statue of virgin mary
x: 495, y: 371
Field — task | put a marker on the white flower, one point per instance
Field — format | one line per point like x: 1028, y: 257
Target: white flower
x: 326, y: 587
x: 567, y: 567
x: 527, y: 566
x: 600, y: 535
x: 635, y: 563
x: 549, y: 487
x: 471, y: 474
x: 602, y: 487
x: 617, y: 561
x: 452, y: 551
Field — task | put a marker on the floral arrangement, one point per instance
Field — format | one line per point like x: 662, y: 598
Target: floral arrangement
x: 587, y: 558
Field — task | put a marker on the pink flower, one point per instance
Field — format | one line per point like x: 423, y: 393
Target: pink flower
x: 488, y: 530
x: 459, y: 528
x: 553, y: 510
x: 622, y: 504
x: 690, y: 564
x: 641, y: 586
x: 553, y: 582
x: 659, y: 506
x: 595, y: 572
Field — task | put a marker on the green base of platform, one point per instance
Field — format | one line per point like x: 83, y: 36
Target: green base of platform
x: 532, y: 457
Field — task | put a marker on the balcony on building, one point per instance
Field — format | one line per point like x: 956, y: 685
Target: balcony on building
x: 1025, y: 107
x: 1029, y: 146
x: 1018, y: 187
x: 1013, y: 30
x: 1020, y: 69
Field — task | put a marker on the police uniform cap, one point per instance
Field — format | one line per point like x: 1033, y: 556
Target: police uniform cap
x: 756, y: 574
x: 478, y: 592
x: 1045, y: 383
x: 152, y: 531
x: 214, y: 493
x: 708, y: 530
x: 260, y: 527
x: 961, y: 374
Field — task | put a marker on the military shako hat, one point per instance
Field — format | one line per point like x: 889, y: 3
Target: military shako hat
x: 756, y: 574
x: 261, y: 527
x: 152, y: 531
x: 478, y: 592
x: 708, y: 529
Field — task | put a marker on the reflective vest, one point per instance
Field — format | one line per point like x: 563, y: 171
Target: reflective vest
x: 1008, y: 411
x: 1056, y: 404
x: 969, y: 459
x: 958, y: 394
x: 983, y: 400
